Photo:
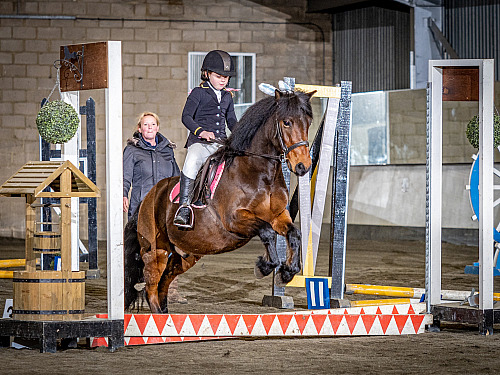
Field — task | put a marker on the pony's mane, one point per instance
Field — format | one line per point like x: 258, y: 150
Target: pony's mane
x: 250, y: 123
x: 289, y: 105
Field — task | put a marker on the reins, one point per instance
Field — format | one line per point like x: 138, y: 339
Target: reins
x: 248, y: 153
x: 265, y: 156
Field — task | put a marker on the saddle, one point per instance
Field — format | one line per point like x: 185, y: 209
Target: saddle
x: 205, y: 184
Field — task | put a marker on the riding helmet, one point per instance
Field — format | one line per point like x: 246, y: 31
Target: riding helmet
x: 219, y: 62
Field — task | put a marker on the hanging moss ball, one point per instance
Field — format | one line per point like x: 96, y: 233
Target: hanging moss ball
x: 57, y: 122
x: 472, y: 131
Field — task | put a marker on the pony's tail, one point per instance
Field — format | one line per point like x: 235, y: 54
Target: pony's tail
x: 133, y: 263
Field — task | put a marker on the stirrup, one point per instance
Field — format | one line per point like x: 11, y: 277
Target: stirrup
x: 191, y: 217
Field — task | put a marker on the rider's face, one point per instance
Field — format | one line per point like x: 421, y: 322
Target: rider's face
x: 218, y: 81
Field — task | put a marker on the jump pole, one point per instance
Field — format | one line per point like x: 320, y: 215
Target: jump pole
x: 7, y: 263
x: 4, y: 263
x: 380, y: 320
x: 395, y: 291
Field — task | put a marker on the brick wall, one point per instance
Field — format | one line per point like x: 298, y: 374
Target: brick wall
x: 154, y: 64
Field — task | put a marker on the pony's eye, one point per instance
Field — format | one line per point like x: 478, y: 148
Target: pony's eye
x: 287, y: 123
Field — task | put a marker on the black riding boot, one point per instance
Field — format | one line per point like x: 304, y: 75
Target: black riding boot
x: 183, y: 215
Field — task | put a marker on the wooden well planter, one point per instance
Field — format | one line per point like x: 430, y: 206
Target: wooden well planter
x: 39, y: 294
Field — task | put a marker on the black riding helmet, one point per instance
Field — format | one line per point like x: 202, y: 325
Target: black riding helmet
x: 219, y: 62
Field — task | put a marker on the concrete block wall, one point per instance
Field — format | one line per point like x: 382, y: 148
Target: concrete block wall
x: 394, y: 195
x: 155, y: 56
x: 407, y: 124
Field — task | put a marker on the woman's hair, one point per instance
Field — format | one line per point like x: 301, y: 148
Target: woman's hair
x: 144, y: 114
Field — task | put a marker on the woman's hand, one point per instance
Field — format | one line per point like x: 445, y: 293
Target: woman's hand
x: 125, y: 204
x: 207, y: 135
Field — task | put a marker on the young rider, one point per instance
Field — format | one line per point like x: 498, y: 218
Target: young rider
x: 207, y: 110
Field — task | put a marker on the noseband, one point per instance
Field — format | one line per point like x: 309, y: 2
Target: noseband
x: 286, y: 150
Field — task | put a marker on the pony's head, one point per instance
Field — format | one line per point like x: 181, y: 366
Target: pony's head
x: 293, y: 116
x: 284, y: 120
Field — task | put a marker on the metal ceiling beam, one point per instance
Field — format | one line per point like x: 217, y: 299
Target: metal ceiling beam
x: 329, y: 5
x: 439, y: 37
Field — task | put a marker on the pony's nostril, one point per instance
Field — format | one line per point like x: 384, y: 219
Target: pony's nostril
x: 300, y: 169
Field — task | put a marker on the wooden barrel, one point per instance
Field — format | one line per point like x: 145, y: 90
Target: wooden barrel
x: 47, y: 242
x: 48, y: 295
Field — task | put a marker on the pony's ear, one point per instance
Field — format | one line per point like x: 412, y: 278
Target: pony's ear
x: 310, y: 94
x: 277, y: 94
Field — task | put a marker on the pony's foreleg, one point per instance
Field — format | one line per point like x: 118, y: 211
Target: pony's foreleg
x: 283, y: 225
x: 176, y: 265
x: 155, y: 262
x: 267, y: 263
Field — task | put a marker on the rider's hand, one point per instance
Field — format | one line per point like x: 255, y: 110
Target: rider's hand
x: 207, y: 135
x: 125, y: 204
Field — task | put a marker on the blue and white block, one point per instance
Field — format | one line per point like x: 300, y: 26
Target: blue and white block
x: 318, y: 293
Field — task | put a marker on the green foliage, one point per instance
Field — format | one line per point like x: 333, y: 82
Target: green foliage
x: 472, y: 131
x: 57, y: 122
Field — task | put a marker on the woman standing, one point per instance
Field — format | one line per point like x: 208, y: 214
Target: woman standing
x: 147, y: 159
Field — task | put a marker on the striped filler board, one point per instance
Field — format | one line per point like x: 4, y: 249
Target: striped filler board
x: 404, y: 319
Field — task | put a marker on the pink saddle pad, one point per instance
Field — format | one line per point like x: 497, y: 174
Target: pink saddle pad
x: 174, y: 193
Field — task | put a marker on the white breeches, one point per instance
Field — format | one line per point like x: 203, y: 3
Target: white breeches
x: 197, y: 154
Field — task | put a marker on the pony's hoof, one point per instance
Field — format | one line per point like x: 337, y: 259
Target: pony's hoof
x: 284, y: 275
x: 257, y: 272
x: 263, y: 267
x: 162, y: 310
x: 140, y: 286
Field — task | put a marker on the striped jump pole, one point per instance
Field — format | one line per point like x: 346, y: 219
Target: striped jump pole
x: 395, y: 291
x: 385, y: 320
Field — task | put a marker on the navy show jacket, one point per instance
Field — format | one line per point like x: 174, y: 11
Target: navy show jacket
x: 203, y: 112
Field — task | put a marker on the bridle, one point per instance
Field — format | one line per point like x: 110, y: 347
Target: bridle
x: 284, y: 149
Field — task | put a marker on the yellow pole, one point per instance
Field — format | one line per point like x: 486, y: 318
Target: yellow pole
x: 380, y: 290
x: 377, y: 302
x: 6, y: 274
x: 396, y: 291
x: 5, y: 263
